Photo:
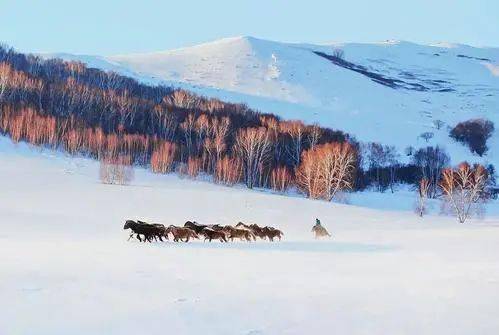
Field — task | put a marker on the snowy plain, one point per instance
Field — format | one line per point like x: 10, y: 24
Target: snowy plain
x: 67, y: 267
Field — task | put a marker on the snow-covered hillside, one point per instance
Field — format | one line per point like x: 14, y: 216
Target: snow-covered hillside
x: 66, y: 265
x: 389, y: 92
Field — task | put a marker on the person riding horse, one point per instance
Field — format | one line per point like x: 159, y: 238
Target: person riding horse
x: 319, y: 230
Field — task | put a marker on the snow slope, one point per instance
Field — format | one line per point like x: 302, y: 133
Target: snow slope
x: 446, y: 82
x: 67, y: 267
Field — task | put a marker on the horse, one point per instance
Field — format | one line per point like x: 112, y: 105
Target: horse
x: 242, y: 234
x: 147, y: 230
x: 254, y: 228
x: 181, y: 233
x: 272, y: 233
x: 210, y: 234
x: 195, y: 226
x: 320, y: 231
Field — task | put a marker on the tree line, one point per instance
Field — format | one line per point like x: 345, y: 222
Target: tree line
x: 113, y: 118
x: 104, y: 115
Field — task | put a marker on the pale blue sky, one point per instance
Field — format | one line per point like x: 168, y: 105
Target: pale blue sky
x: 123, y: 26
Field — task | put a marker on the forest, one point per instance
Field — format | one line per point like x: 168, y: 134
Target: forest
x: 121, y: 122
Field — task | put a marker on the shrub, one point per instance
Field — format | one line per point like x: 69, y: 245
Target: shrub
x: 116, y: 170
x: 473, y: 133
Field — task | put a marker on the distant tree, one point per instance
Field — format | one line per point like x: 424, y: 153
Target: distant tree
x: 463, y: 188
x: 191, y: 168
x: 281, y: 178
x: 116, y: 170
x: 163, y: 157
x: 314, y: 135
x: 438, y: 124
x: 426, y: 136
x: 326, y: 170
x: 409, y: 151
x: 188, y: 127
x: 383, y: 160
x: 338, y: 53
x: 228, y: 171
x: 491, y: 189
x: 473, y: 133
x: 253, y: 146
x: 423, y: 188
x: 431, y: 161
x: 296, y: 131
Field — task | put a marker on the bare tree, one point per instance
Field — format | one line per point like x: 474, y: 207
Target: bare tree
x: 188, y: 127
x: 228, y: 171
x: 314, y: 135
x: 280, y: 178
x: 463, y: 187
x: 426, y: 136
x: 431, y: 161
x: 392, y: 163
x: 338, y: 53
x: 423, y: 188
x: 5, y: 72
x: 338, y: 167
x: 296, y: 131
x: 378, y: 157
x: 116, y: 170
x: 163, y: 157
x: 253, y: 146
x: 409, y: 151
x: 438, y: 124
x: 326, y: 170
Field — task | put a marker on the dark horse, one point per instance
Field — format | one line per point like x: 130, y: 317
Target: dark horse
x: 195, y: 226
x: 149, y: 231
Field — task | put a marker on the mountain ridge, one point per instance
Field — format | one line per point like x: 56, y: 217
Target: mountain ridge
x: 453, y: 83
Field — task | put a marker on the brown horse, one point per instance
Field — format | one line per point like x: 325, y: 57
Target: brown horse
x: 272, y: 233
x: 211, y: 234
x: 242, y: 234
x: 254, y: 228
x: 320, y: 231
x: 181, y: 233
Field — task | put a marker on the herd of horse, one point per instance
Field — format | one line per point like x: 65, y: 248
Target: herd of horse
x: 149, y: 232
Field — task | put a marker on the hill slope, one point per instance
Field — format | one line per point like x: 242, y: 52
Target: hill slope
x: 388, y: 92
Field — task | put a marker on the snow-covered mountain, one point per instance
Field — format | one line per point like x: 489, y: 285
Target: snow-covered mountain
x: 388, y: 92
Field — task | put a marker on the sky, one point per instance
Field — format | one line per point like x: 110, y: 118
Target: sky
x: 109, y: 27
